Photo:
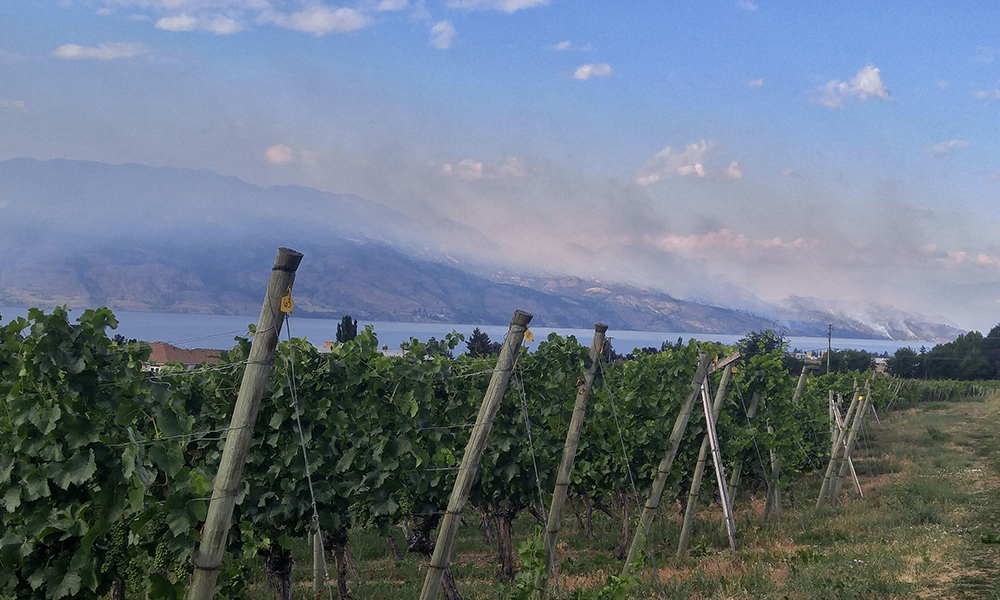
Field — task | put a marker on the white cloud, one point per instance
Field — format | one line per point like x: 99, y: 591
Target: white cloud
x: 467, y: 169
x: 104, y: 11
x: 441, y: 35
x: 756, y: 83
x: 746, y: 5
x: 217, y: 24
x: 942, y: 83
x: 788, y: 172
x: 733, y: 171
x: 473, y: 170
x: 386, y: 5
x: 108, y: 51
x: 669, y: 163
x: 7, y: 103
x: 318, y: 20
x: 589, y: 70
x: 568, y: 46
x: 507, y: 6
x: 278, y: 154
x: 988, y: 95
x: 946, y: 147
x: 866, y: 84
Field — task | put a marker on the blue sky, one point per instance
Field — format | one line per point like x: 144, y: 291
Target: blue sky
x: 716, y: 150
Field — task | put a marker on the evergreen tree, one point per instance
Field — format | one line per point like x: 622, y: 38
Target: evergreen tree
x: 347, y: 329
x: 480, y: 346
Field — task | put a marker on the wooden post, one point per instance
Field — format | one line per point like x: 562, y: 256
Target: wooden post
x: 441, y: 558
x: 734, y: 479
x: 208, y: 556
x: 838, y: 443
x: 699, y: 468
x: 319, y: 563
x: 569, y: 455
x: 773, y: 502
x: 801, y: 387
x: 852, y: 438
x: 663, y: 470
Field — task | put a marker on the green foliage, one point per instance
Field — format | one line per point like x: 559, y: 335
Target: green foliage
x: 76, y: 480
x: 384, y: 436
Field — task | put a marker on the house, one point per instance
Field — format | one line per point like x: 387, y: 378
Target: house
x: 163, y: 353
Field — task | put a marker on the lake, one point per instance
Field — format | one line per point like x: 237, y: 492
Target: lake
x: 218, y: 331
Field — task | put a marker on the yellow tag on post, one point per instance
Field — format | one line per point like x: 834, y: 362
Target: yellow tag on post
x: 287, y: 304
x: 528, y: 336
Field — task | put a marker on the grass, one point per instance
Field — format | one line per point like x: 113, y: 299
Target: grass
x: 928, y: 526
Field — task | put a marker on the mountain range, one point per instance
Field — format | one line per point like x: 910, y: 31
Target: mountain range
x: 139, y: 238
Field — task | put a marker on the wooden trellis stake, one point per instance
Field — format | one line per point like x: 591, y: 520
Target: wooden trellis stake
x: 441, y: 558
x: 569, y: 456
x: 852, y: 439
x: 208, y: 556
x: 663, y: 470
x: 699, y: 469
x: 837, y: 445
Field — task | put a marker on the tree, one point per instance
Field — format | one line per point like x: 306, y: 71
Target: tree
x: 347, y: 329
x: 480, y: 345
x: 904, y: 363
x: 842, y: 361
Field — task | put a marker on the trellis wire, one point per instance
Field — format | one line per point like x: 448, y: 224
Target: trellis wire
x: 631, y: 477
x: 290, y: 373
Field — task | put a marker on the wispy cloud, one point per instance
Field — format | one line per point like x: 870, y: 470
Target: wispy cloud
x: 507, y: 6
x: 442, y: 34
x: 988, y: 94
x: 943, y: 84
x: 589, y: 70
x: 6, y: 56
x: 985, y: 55
x: 109, y: 51
x: 217, y: 24
x: 391, y: 5
x: 8, y: 103
x: 473, y: 170
x: 946, y: 147
x: 866, y: 84
x: 756, y: 82
x: 689, y: 162
x: 280, y: 154
x: 318, y: 20
x: 746, y: 5
x: 993, y: 176
x: 568, y: 46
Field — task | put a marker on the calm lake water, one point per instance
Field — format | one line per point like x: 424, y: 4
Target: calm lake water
x: 218, y: 331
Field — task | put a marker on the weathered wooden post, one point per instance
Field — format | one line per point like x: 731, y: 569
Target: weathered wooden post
x: 208, y: 556
x: 663, y: 470
x: 441, y: 558
x: 569, y: 456
x: 852, y: 439
x: 824, y: 490
x: 699, y: 468
x: 319, y: 563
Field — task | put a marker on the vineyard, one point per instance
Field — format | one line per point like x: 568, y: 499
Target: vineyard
x: 107, y: 470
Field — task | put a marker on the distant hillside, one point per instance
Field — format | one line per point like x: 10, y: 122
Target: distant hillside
x: 172, y: 240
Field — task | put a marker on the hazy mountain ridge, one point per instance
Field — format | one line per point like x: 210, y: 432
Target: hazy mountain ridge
x: 174, y: 240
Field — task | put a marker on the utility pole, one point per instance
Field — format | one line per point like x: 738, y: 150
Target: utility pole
x: 829, y: 347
